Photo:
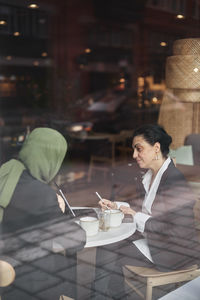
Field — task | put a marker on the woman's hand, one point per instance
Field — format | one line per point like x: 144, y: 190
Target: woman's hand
x: 127, y: 210
x: 107, y: 204
x: 61, y: 203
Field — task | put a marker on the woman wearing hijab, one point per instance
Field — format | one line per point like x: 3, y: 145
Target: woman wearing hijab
x: 28, y: 202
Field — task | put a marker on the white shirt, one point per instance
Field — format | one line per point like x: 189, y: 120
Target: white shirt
x: 140, y: 218
x: 150, y: 194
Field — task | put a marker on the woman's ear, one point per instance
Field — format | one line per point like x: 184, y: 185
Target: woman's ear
x: 157, y: 147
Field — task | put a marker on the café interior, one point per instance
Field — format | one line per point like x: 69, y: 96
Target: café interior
x: 94, y: 71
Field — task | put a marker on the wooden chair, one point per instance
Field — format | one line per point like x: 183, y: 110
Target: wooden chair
x: 62, y: 297
x: 153, y: 277
x: 124, y: 147
x: 98, y: 163
x: 103, y: 163
x: 7, y: 274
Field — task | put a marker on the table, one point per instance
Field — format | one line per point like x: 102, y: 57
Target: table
x: 87, y: 257
x: 113, y: 235
x: 188, y: 291
x: 113, y: 138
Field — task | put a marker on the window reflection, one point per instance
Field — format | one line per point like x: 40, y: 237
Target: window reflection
x: 94, y: 71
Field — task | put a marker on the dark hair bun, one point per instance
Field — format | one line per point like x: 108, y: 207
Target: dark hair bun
x: 153, y: 133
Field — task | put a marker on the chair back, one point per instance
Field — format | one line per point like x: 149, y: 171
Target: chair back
x: 151, y: 272
x: 62, y: 297
x: 7, y: 273
x: 154, y: 278
x: 183, y: 155
x: 194, y: 140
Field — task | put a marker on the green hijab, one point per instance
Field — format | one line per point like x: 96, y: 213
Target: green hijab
x: 42, y: 155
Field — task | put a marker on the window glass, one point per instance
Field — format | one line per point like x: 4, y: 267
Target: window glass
x: 77, y: 80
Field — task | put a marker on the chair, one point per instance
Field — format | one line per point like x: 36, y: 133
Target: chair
x: 104, y: 162
x: 99, y: 163
x: 194, y: 140
x: 7, y: 274
x: 182, y: 155
x: 70, y: 181
x: 154, y: 277
x: 124, y: 145
x: 62, y: 297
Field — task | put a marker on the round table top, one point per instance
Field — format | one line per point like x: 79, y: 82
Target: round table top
x: 113, y: 235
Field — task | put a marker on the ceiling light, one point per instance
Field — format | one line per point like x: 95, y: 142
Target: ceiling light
x: 33, y: 5
x: 3, y: 22
x: 154, y: 99
x: 16, y: 33
x: 87, y: 50
x: 196, y: 70
x: 44, y: 54
x: 163, y: 44
x: 179, y: 16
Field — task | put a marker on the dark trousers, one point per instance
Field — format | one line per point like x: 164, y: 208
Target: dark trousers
x: 109, y: 277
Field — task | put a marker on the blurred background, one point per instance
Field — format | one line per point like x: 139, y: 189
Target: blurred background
x: 85, y: 67
x: 95, y: 70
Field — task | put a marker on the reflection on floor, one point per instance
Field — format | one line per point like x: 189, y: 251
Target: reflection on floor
x: 34, y: 260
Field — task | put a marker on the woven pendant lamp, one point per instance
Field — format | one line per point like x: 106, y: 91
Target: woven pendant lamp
x: 189, y: 46
x: 180, y: 108
x: 183, y: 72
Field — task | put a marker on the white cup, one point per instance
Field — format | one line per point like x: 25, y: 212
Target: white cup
x: 90, y: 225
x: 116, y: 217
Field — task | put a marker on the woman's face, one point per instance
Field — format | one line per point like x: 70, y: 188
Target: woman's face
x: 144, y: 153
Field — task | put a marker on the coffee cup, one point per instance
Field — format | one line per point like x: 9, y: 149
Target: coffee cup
x: 116, y: 217
x: 90, y: 225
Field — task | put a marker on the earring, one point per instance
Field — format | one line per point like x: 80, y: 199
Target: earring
x: 157, y: 156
